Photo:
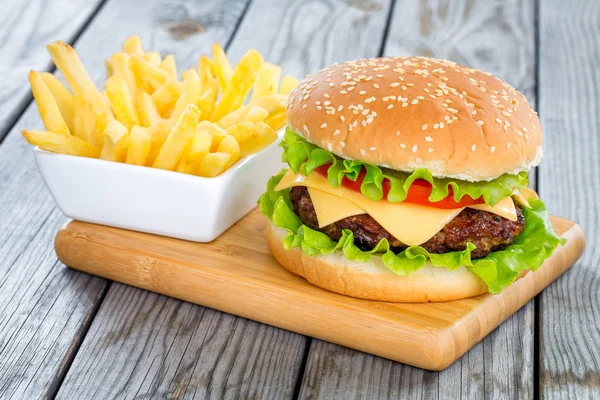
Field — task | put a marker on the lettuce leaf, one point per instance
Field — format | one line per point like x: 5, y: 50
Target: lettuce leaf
x: 498, y: 270
x: 306, y: 157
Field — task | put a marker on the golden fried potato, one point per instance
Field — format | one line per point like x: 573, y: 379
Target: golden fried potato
x: 166, y: 97
x: 153, y: 57
x: 267, y: 79
x: 256, y: 113
x: 146, y: 109
x: 214, y: 164
x: 149, y: 77
x: 288, y: 83
x: 62, y: 96
x: 222, y: 68
x: 243, y: 131
x: 265, y: 136
x: 115, y: 142
x: 119, y: 63
x: 121, y: 101
x: 133, y: 45
x: 241, y: 81
x: 59, y: 143
x: 47, y: 105
x: 138, y: 145
x: 190, y: 94
x: 190, y: 163
x: 274, y: 104
x: 215, y: 131
x: 179, y: 139
x: 84, y: 120
x: 230, y: 146
x: 169, y: 66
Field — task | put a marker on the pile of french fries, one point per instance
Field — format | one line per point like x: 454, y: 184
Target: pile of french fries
x: 201, y: 124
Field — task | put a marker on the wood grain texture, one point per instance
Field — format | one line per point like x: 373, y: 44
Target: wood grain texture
x: 497, y: 36
x: 569, y: 104
x: 26, y: 27
x: 45, y: 309
x: 236, y: 273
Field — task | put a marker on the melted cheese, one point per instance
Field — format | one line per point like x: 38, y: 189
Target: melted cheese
x: 412, y: 224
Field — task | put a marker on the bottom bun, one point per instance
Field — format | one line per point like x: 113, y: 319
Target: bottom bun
x: 372, y: 280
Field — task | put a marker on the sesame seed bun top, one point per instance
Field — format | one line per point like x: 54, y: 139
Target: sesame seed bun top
x: 409, y: 113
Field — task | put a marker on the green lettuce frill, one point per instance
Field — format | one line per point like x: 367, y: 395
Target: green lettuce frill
x: 306, y: 157
x: 498, y: 270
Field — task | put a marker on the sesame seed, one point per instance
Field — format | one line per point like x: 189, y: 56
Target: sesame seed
x: 435, y: 126
x: 329, y: 146
x: 441, y: 125
x: 420, y: 97
x: 508, y: 145
x: 480, y: 123
x: 305, y: 128
x: 525, y: 129
x: 492, y: 149
x: 404, y: 104
x: 326, y: 95
x: 304, y: 106
x: 505, y: 128
x: 402, y: 146
x: 424, y: 127
x: 336, y: 132
x: 395, y: 84
x: 415, y: 101
x: 362, y: 92
x: 343, y: 92
x: 364, y: 123
x: 362, y: 152
x: 474, y: 112
x: 324, y: 125
x: 474, y: 147
x: 414, y: 148
x: 419, y: 160
x: 372, y: 148
x: 390, y: 106
x: 428, y: 139
x: 376, y: 86
x: 342, y: 145
x: 506, y: 113
x: 342, y: 118
x: 331, y: 84
x: 430, y: 150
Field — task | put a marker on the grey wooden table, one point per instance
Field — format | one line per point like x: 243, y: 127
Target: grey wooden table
x: 73, y: 336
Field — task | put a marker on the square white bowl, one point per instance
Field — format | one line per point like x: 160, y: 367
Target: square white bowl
x: 156, y: 201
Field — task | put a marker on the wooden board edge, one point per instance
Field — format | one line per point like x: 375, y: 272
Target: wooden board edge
x: 437, y: 348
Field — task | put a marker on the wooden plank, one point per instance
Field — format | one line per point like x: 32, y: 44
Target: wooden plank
x: 237, y: 272
x: 46, y: 308
x: 569, y: 103
x: 498, y: 37
x: 26, y: 27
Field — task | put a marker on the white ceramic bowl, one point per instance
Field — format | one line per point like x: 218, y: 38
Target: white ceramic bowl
x: 156, y: 201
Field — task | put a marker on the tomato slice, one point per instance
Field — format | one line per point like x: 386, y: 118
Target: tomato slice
x: 418, y: 193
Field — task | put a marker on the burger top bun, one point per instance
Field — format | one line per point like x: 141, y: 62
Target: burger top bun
x: 410, y: 113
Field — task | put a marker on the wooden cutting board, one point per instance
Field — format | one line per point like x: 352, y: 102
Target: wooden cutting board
x: 237, y: 274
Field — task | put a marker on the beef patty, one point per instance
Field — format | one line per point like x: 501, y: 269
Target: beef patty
x: 488, y: 232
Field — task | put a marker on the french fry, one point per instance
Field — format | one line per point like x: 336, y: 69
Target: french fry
x: 153, y: 57
x: 190, y: 71
x: 133, y: 45
x: 241, y: 81
x: 189, y: 95
x: 214, y: 164
x: 288, y: 83
x: 166, y: 96
x: 119, y: 63
x: 274, y: 104
x: 207, y: 102
x: 59, y: 143
x: 215, y: 131
x: 266, y: 136
x: 206, y: 71
x: 190, y: 163
x: 179, y: 139
x: 148, y: 76
x: 169, y: 66
x: 84, y: 120
x: 160, y: 132
x: 276, y: 121
x: 222, y: 68
x: 47, y: 106
x: 230, y: 146
x: 267, y: 78
x: 243, y: 132
x: 121, y: 101
x: 146, y: 109
x: 68, y: 63
x: 256, y: 113
x: 138, y: 145
x: 62, y: 96
x: 115, y: 142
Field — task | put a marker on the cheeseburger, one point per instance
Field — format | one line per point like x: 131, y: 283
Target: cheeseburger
x: 407, y: 182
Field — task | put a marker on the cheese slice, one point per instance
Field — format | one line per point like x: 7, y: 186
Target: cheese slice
x: 412, y: 224
x: 330, y: 208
